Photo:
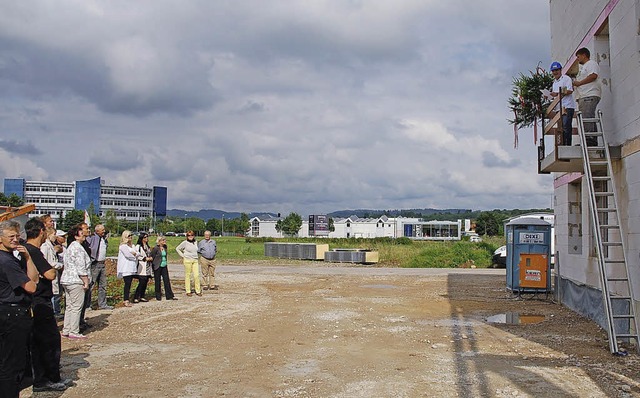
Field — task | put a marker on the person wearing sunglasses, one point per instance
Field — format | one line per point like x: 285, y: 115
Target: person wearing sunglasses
x: 188, y: 250
x: 144, y: 267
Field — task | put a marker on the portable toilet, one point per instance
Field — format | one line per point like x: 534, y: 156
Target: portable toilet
x: 528, y: 255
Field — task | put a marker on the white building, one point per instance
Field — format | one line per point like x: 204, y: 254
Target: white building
x: 356, y: 227
x: 57, y: 198
x: 610, y: 29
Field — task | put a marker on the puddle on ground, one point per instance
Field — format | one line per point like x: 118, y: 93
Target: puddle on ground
x: 515, y: 318
x: 380, y: 286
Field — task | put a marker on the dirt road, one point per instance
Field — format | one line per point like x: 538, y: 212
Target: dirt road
x: 310, y: 330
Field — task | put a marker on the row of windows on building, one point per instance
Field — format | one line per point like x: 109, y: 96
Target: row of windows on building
x: 29, y: 199
x: 104, y: 191
x: 47, y: 188
x: 119, y: 214
x: 129, y: 203
x: 103, y: 202
x: 125, y: 192
x: 129, y: 214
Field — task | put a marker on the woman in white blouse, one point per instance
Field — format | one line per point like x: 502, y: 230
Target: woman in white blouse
x: 75, y: 280
x: 127, y: 264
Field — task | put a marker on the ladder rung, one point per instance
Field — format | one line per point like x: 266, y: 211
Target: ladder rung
x: 623, y: 317
x: 619, y: 298
x: 627, y: 336
x: 593, y: 133
x: 604, y: 193
x: 611, y: 243
x: 601, y: 178
x: 606, y: 210
x: 617, y: 280
x: 614, y: 261
x: 610, y: 226
x: 597, y: 162
x: 590, y: 120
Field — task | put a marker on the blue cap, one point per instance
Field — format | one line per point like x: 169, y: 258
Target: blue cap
x: 555, y: 65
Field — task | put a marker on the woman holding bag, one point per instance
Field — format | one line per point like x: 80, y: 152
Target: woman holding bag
x: 144, y: 267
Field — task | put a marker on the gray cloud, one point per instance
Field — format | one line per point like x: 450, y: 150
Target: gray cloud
x: 115, y: 158
x: 291, y: 106
x: 19, y: 148
x: 489, y: 159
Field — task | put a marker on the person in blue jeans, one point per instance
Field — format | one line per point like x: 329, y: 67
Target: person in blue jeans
x: 562, y: 85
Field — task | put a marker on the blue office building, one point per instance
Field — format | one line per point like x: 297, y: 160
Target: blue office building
x: 56, y: 198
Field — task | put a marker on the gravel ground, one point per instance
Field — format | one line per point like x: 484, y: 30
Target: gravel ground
x: 309, y: 329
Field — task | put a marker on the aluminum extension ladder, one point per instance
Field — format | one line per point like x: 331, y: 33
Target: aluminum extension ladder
x: 616, y: 286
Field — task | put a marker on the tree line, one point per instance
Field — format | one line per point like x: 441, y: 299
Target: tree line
x: 12, y: 200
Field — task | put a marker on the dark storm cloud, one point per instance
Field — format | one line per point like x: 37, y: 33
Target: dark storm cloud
x: 19, y: 148
x: 33, y: 70
x: 115, y: 158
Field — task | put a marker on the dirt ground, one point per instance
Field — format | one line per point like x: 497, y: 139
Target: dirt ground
x: 314, y: 330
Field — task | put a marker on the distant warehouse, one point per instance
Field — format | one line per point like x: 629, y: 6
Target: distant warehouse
x: 57, y: 198
x: 356, y: 227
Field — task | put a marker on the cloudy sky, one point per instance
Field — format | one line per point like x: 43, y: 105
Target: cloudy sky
x: 250, y: 105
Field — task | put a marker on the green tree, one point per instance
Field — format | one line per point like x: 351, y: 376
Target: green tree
x: 72, y: 218
x: 164, y: 225
x: 111, y: 222
x: 244, y: 223
x: 93, y: 217
x: 489, y: 223
x: 290, y: 225
x: 213, y: 225
x: 196, y: 225
x: 4, y: 201
x: 14, y: 200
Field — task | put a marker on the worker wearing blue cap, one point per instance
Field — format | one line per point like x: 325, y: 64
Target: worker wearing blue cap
x: 562, y: 83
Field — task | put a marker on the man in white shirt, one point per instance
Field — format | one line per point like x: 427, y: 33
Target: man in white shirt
x: 589, y: 90
x: 562, y: 86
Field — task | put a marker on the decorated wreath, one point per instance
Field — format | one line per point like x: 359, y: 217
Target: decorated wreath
x: 527, y: 102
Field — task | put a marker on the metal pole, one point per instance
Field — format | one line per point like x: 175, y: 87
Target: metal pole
x: 223, y: 224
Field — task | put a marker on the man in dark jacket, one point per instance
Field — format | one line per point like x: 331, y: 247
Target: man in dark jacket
x: 18, y: 281
x: 45, y: 337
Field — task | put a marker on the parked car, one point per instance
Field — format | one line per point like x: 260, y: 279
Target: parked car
x: 170, y: 234
x: 499, y: 259
x: 475, y: 238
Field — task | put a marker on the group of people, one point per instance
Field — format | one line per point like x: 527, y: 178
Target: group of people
x: 589, y: 90
x: 31, y: 342
x: 143, y: 262
x: 34, y: 272
x: 196, y: 257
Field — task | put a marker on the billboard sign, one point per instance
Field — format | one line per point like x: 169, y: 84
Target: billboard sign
x: 318, y: 225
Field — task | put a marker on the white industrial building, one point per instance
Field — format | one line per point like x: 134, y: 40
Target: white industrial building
x: 380, y: 227
x: 592, y: 190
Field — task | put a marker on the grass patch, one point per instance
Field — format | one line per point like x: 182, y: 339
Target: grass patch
x: 401, y: 252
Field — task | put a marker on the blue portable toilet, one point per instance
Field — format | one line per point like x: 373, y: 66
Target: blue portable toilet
x: 528, y: 255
